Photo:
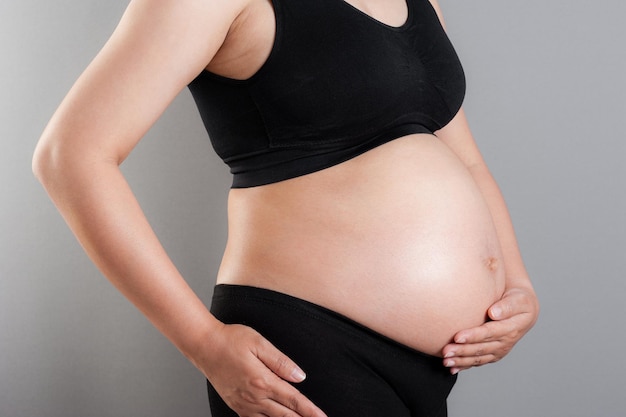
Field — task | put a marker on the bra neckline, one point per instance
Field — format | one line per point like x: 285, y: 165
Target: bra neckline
x: 402, y: 27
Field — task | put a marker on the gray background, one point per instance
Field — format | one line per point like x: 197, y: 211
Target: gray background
x: 547, y: 103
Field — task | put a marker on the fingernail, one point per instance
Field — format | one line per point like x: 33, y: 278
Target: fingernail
x: 449, y: 354
x: 462, y: 339
x: 448, y: 363
x: 454, y: 371
x: 496, y: 312
x: 298, y: 374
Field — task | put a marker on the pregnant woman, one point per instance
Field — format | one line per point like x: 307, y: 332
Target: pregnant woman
x: 368, y: 244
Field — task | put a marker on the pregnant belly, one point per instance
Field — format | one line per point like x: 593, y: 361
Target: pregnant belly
x: 399, y: 239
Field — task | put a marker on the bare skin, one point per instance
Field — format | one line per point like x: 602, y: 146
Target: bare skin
x: 121, y: 94
x: 412, y: 239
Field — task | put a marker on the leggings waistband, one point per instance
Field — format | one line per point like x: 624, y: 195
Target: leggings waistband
x: 243, y: 294
x: 351, y: 369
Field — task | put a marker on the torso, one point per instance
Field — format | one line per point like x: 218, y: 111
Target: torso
x: 399, y: 239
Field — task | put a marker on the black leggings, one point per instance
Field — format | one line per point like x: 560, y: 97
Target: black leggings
x: 352, y: 371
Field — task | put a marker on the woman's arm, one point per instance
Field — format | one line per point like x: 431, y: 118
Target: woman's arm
x: 156, y: 50
x: 516, y: 312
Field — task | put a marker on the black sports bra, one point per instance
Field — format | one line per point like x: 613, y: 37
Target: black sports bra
x: 336, y: 84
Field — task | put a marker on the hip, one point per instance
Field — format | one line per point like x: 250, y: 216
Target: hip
x: 351, y: 370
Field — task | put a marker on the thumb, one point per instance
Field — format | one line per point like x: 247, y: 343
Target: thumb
x: 500, y: 310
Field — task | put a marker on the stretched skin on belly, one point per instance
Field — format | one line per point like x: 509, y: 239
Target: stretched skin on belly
x: 409, y: 250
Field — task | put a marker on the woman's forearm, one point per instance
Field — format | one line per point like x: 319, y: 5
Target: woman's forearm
x: 101, y: 210
x: 98, y: 205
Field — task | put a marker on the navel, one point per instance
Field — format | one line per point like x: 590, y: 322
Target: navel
x: 491, y: 263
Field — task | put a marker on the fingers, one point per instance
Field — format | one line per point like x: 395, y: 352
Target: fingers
x: 279, y: 363
x: 513, y: 302
x: 461, y: 357
x: 252, y: 376
x: 476, y: 355
x: 487, y: 343
x: 512, y: 316
x: 293, y: 403
x: 487, y: 332
x: 284, y: 395
x: 271, y: 396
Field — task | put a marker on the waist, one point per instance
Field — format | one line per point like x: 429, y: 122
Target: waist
x: 396, y: 235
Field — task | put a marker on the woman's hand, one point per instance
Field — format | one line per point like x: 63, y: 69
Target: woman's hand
x: 512, y: 317
x: 251, y: 375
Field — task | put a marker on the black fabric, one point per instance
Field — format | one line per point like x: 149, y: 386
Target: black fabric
x: 337, y: 83
x: 351, y: 370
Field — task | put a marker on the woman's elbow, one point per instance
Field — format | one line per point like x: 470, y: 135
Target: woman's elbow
x: 55, y: 162
x: 43, y: 160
